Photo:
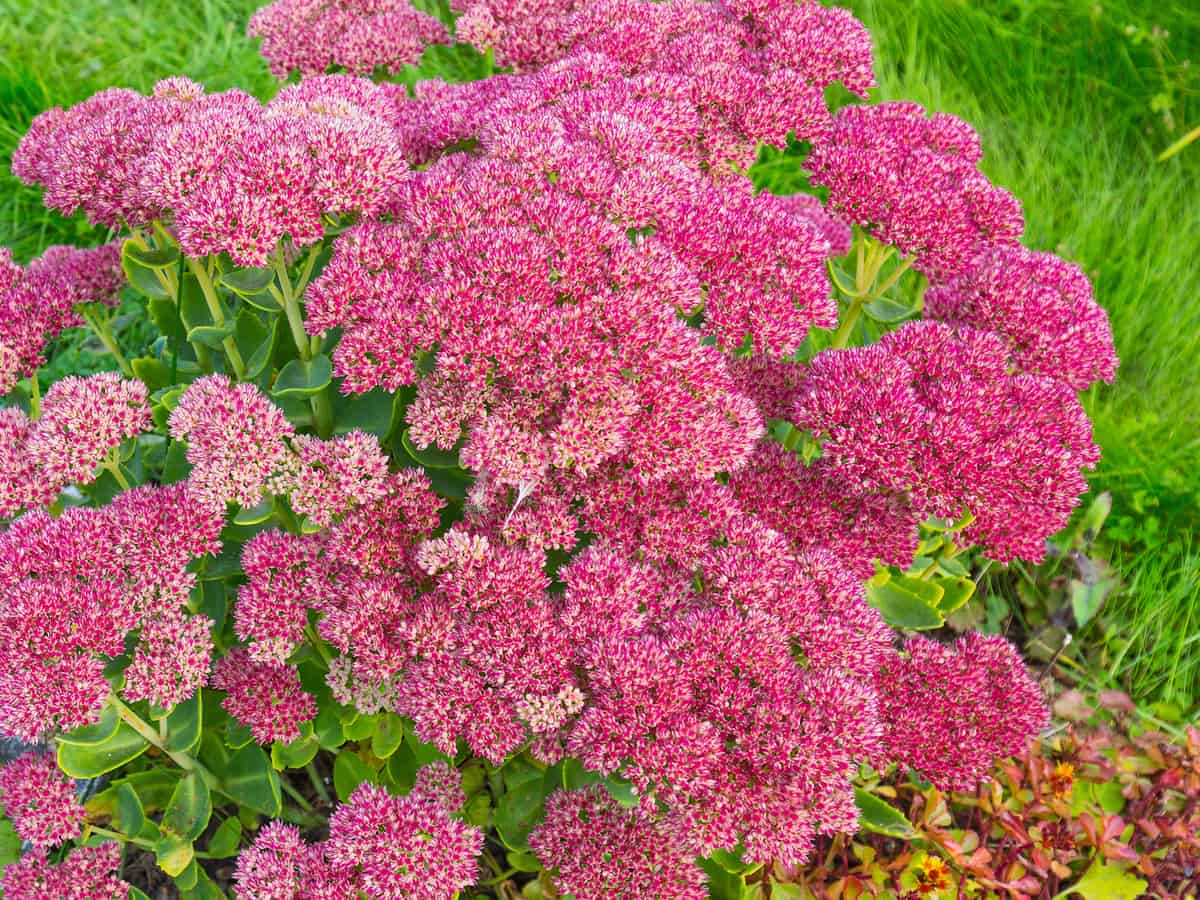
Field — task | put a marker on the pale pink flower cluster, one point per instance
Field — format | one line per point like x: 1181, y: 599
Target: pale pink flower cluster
x: 38, y: 301
x: 230, y: 174
x: 323, y: 479
x: 951, y: 710
x: 934, y: 414
x: 379, y: 846
x: 40, y: 802
x: 264, y: 696
x: 73, y: 587
x: 914, y: 183
x: 235, y: 437
x: 597, y: 850
x: 82, y: 419
x: 1041, y: 305
x: 85, y: 872
x: 360, y: 36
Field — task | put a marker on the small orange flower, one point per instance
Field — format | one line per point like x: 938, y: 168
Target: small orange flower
x: 1061, y: 780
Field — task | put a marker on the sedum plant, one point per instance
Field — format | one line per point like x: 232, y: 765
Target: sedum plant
x: 516, y: 501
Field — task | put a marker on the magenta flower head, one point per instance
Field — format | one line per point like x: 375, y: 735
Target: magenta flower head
x: 357, y: 35
x: 405, y: 848
x: 40, y: 800
x: 37, y: 302
x: 914, y: 183
x: 595, y: 850
x: 934, y: 414
x: 234, y: 436
x: 950, y: 711
x: 264, y: 696
x: 85, y: 872
x: 1041, y: 305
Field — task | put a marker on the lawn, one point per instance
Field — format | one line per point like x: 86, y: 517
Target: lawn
x: 1074, y: 101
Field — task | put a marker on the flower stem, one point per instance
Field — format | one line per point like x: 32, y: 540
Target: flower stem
x: 295, y: 794
x: 112, y: 463
x: 101, y: 327
x: 35, y: 397
x: 214, y: 308
x: 322, y: 407
x: 318, y: 783
x: 185, y: 761
x: 117, y: 836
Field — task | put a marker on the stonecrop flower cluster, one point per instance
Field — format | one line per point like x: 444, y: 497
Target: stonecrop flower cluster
x: 502, y: 426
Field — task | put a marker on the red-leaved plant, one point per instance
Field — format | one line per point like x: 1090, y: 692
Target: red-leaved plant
x: 509, y: 465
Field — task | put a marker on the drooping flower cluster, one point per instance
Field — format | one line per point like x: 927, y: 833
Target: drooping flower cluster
x: 597, y: 850
x: 940, y: 705
x: 1041, y: 305
x: 85, y: 872
x: 38, y: 301
x: 73, y: 587
x: 914, y: 183
x: 40, y: 802
x: 932, y: 413
x: 231, y: 174
x: 359, y: 36
x: 384, y: 847
x: 264, y: 696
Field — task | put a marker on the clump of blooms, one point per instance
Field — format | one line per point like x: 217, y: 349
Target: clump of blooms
x: 914, y: 183
x: 264, y: 696
x: 951, y: 710
x: 231, y: 174
x: 82, y: 420
x: 72, y: 588
x: 403, y: 847
x: 326, y: 478
x: 1041, y: 305
x: 391, y: 848
x: 596, y: 849
x: 234, y: 437
x: 39, y: 800
x: 816, y: 508
x: 809, y: 209
x: 359, y: 36
x: 38, y: 301
x: 933, y: 413
x: 89, y: 872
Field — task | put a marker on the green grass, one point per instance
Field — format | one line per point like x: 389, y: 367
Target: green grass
x: 1073, y: 100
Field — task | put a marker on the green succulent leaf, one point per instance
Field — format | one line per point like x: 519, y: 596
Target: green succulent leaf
x: 905, y: 605
x: 881, y: 817
x: 91, y: 760
x: 303, y: 377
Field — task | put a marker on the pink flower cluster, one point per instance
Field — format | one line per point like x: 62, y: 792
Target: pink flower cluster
x: 933, y: 414
x: 242, y: 446
x: 914, y: 183
x: 38, y: 301
x: 264, y: 696
x: 384, y: 847
x: 359, y: 36
x: 1041, y: 305
x: 82, y: 420
x: 39, y: 800
x: 73, y: 587
x: 597, y: 850
x: 85, y: 872
x: 940, y: 707
x: 231, y: 174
